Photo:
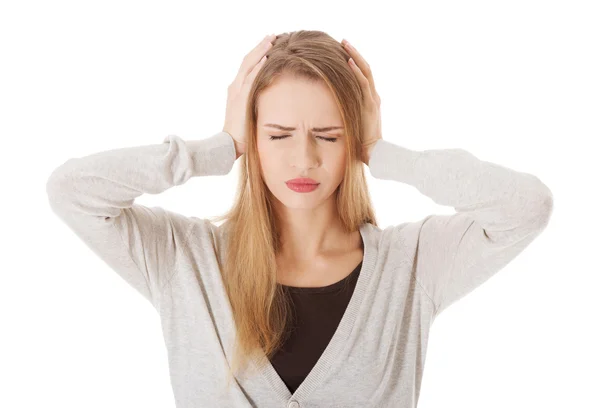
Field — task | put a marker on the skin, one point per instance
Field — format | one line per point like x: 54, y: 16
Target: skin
x: 311, y: 229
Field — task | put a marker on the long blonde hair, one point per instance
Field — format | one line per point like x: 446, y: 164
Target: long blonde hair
x: 261, y: 308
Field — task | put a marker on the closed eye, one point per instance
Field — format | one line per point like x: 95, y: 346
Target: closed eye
x: 329, y: 139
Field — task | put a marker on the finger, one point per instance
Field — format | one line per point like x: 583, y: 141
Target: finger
x: 253, y: 57
x: 362, y: 79
x: 250, y: 77
x: 362, y: 64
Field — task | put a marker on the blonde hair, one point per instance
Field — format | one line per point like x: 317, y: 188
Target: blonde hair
x: 261, y: 308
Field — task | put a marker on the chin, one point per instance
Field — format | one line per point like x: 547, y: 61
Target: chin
x: 302, y: 201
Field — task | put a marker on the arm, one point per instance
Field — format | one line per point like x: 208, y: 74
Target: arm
x: 94, y: 196
x: 500, y: 211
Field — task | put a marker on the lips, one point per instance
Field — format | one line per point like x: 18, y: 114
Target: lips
x: 302, y: 181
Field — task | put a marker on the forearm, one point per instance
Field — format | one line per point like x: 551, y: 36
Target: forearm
x: 101, y: 184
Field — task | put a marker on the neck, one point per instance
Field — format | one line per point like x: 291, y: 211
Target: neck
x: 309, y: 234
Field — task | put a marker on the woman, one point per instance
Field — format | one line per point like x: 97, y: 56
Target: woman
x: 299, y: 284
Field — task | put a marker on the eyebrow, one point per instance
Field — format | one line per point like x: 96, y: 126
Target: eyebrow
x: 289, y: 128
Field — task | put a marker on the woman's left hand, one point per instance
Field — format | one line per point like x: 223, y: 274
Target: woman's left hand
x: 372, y: 102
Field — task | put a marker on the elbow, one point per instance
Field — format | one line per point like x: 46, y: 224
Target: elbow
x: 544, y: 211
x: 548, y: 207
x: 58, y: 176
x: 58, y: 186
x: 53, y: 184
x: 545, y: 203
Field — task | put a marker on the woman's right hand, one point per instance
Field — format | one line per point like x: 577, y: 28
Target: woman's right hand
x: 237, y: 93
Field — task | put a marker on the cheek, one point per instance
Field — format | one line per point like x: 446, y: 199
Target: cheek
x: 269, y: 161
x: 337, y: 162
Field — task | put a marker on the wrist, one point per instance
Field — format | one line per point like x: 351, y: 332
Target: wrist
x: 371, y: 147
x: 366, y: 153
x: 239, y: 149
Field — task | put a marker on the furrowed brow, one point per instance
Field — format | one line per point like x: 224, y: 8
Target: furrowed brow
x: 289, y: 128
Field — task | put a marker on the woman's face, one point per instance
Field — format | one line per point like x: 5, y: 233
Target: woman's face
x: 302, y: 152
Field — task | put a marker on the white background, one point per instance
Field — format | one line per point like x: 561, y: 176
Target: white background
x: 513, y: 82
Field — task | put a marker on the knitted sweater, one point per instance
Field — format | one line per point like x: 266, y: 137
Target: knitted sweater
x: 410, y: 272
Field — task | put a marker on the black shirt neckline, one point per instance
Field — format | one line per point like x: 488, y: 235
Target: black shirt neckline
x: 323, y: 289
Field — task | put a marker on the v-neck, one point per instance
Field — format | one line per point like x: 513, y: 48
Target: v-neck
x: 339, y: 338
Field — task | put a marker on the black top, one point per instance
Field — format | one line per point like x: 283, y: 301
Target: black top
x: 317, y: 314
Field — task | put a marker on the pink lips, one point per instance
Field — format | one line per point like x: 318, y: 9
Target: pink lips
x: 302, y: 185
x: 302, y: 180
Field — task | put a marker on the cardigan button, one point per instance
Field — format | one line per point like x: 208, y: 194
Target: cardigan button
x: 293, y: 404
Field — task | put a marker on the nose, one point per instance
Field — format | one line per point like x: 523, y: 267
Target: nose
x: 306, y: 155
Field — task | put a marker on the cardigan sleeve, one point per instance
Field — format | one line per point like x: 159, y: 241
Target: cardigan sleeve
x: 499, y: 212
x: 95, y: 197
